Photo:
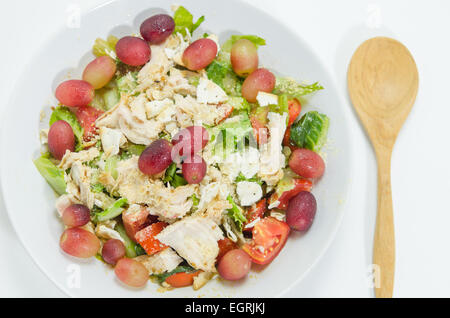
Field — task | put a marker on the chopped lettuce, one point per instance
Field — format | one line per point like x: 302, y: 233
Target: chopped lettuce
x: 63, y: 113
x: 288, y: 86
x: 221, y: 73
x: 174, y: 178
x: 107, y: 97
x: 310, y: 131
x: 195, y: 201
x: 112, y: 211
x: 52, y: 174
x: 231, y: 135
x: 236, y: 213
x: 281, y: 107
x: 127, y: 83
x: 131, y: 248
x: 108, y: 47
x: 161, y: 278
x: 239, y: 103
x: 241, y: 177
x: 97, y: 187
x: 111, y: 166
x: 185, y: 20
x: 130, y: 150
x: 253, y: 38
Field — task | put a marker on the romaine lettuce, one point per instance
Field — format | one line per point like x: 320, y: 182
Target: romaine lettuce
x: 253, y: 38
x: 179, y: 269
x: 174, y: 178
x: 288, y: 86
x: 185, y: 20
x: 221, y: 73
x: 108, y: 47
x: 131, y: 247
x: 63, y: 113
x: 236, y: 213
x: 111, y: 212
x: 310, y: 131
x: 52, y: 174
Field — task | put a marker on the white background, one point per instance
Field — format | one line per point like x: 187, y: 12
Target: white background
x: 420, y: 163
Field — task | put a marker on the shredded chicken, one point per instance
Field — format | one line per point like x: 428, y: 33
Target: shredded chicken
x: 79, y: 184
x: 165, y: 261
x: 106, y: 230
x: 194, y: 239
x: 272, y: 160
x: 81, y: 156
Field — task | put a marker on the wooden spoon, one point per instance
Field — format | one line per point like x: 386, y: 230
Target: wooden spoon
x: 382, y: 83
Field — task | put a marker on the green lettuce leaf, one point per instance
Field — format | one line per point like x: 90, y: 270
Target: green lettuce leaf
x: 52, y: 174
x: 221, y: 73
x: 131, y: 248
x: 239, y: 103
x: 241, y: 177
x: 127, y: 83
x: 173, y: 178
x: 111, y: 212
x: 253, y: 38
x: 111, y: 166
x: 185, y: 20
x: 310, y: 131
x: 108, y: 47
x: 63, y: 113
x: 179, y: 269
x: 236, y: 213
x: 293, y: 89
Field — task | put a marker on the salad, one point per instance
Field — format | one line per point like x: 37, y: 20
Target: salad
x: 176, y: 158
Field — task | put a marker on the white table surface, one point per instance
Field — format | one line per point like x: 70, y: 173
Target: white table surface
x: 420, y: 163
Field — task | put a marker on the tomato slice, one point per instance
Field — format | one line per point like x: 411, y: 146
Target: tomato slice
x: 294, y: 110
x: 225, y: 245
x: 146, y: 238
x: 269, y: 237
x: 287, y: 189
x: 182, y: 279
x: 254, y: 212
x: 87, y: 116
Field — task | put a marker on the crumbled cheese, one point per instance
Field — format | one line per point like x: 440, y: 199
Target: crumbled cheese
x: 209, y: 92
x: 266, y: 99
x: 248, y: 192
x: 111, y: 139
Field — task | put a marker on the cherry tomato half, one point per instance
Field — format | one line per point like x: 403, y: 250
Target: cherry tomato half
x: 269, y: 237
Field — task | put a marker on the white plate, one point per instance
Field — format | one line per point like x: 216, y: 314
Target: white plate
x: 30, y: 201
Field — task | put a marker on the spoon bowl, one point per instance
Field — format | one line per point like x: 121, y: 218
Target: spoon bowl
x: 383, y: 81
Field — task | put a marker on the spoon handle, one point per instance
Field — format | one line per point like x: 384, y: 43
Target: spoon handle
x: 384, y: 241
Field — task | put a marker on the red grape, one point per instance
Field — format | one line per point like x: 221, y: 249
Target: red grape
x: 131, y: 272
x: 194, y: 169
x: 199, y: 54
x: 244, y: 57
x: 60, y: 139
x: 75, y: 93
x: 112, y: 251
x: 156, y: 157
x: 261, y: 80
x: 157, y: 28
x: 190, y: 140
x: 234, y: 265
x: 80, y: 243
x: 307, y: 163
x: 133, y: 51
x: 301, y: 211
x: 100, y: 71
x: 76, y: 215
